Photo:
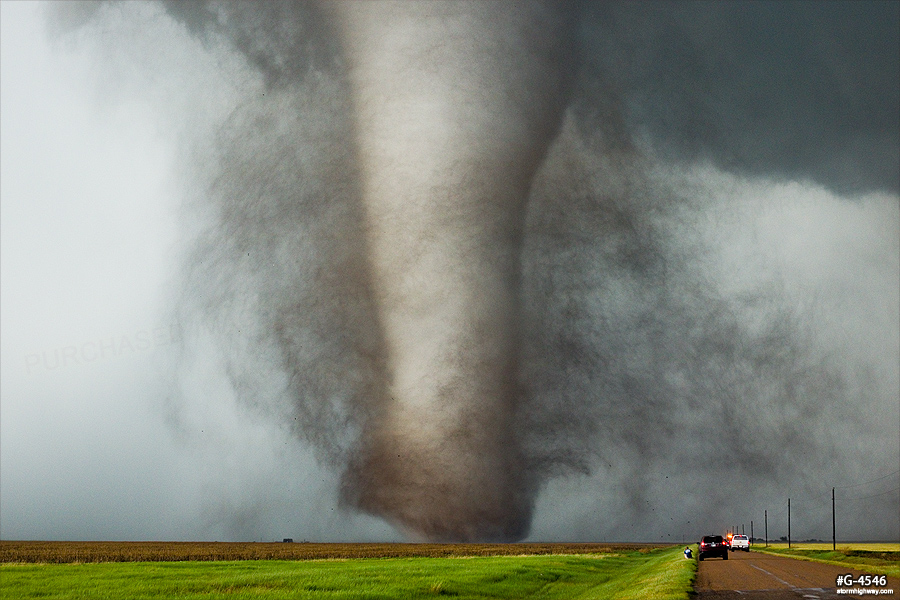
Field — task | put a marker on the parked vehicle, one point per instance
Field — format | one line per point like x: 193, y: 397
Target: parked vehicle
x: 740, y: 542
x: 713, y: 545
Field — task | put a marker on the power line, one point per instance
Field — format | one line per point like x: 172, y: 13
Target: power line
x: 896, y: 489
x: 822, y: 497
x: 844, y: 487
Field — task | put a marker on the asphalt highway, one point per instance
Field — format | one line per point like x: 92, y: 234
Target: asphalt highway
x: 758, y: 576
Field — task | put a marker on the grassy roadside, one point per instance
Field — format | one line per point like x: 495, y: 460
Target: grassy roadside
x: 665, y: 575
x: 879, y: 559
x: 656, y: 575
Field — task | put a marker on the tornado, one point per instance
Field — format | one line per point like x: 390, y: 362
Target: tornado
x: 454, y: 104
x: 457, y: 251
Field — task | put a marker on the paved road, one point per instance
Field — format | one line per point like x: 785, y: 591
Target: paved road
x: 758, y: 576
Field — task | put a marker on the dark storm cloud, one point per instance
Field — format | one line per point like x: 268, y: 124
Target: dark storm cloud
x: 788, y: 90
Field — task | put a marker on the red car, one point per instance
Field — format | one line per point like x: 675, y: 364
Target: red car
x: 713, y: 545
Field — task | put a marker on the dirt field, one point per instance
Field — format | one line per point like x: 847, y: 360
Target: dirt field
x: 89, y: 552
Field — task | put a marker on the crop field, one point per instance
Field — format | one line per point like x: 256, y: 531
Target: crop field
x: 879, y: 558
x: 89, y: 552
x: 347, y: 571
x: 861, y: 546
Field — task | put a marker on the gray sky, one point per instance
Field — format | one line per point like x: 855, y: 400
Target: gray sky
x: 122, y: 418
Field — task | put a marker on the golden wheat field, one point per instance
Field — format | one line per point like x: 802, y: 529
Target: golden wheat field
x: 825, y: 546
x: 93, y: 552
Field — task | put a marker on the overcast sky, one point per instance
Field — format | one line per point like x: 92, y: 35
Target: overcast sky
x: 118, y: 418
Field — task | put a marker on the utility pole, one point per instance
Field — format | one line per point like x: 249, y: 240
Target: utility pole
x: 751, y: 532
x: 833, y: 531
x: 789, y: 522
x: 766, y: 515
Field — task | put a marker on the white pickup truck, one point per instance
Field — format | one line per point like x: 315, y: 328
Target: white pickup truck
x: 740, y: 542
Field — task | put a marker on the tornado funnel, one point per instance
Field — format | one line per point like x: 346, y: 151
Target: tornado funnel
x: 455, y: 105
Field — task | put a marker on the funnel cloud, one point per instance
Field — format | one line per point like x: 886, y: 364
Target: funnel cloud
x: 463, y: 250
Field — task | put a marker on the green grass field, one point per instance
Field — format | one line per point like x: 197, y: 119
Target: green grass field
x: 877, y: 558
x: 650, y: 574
